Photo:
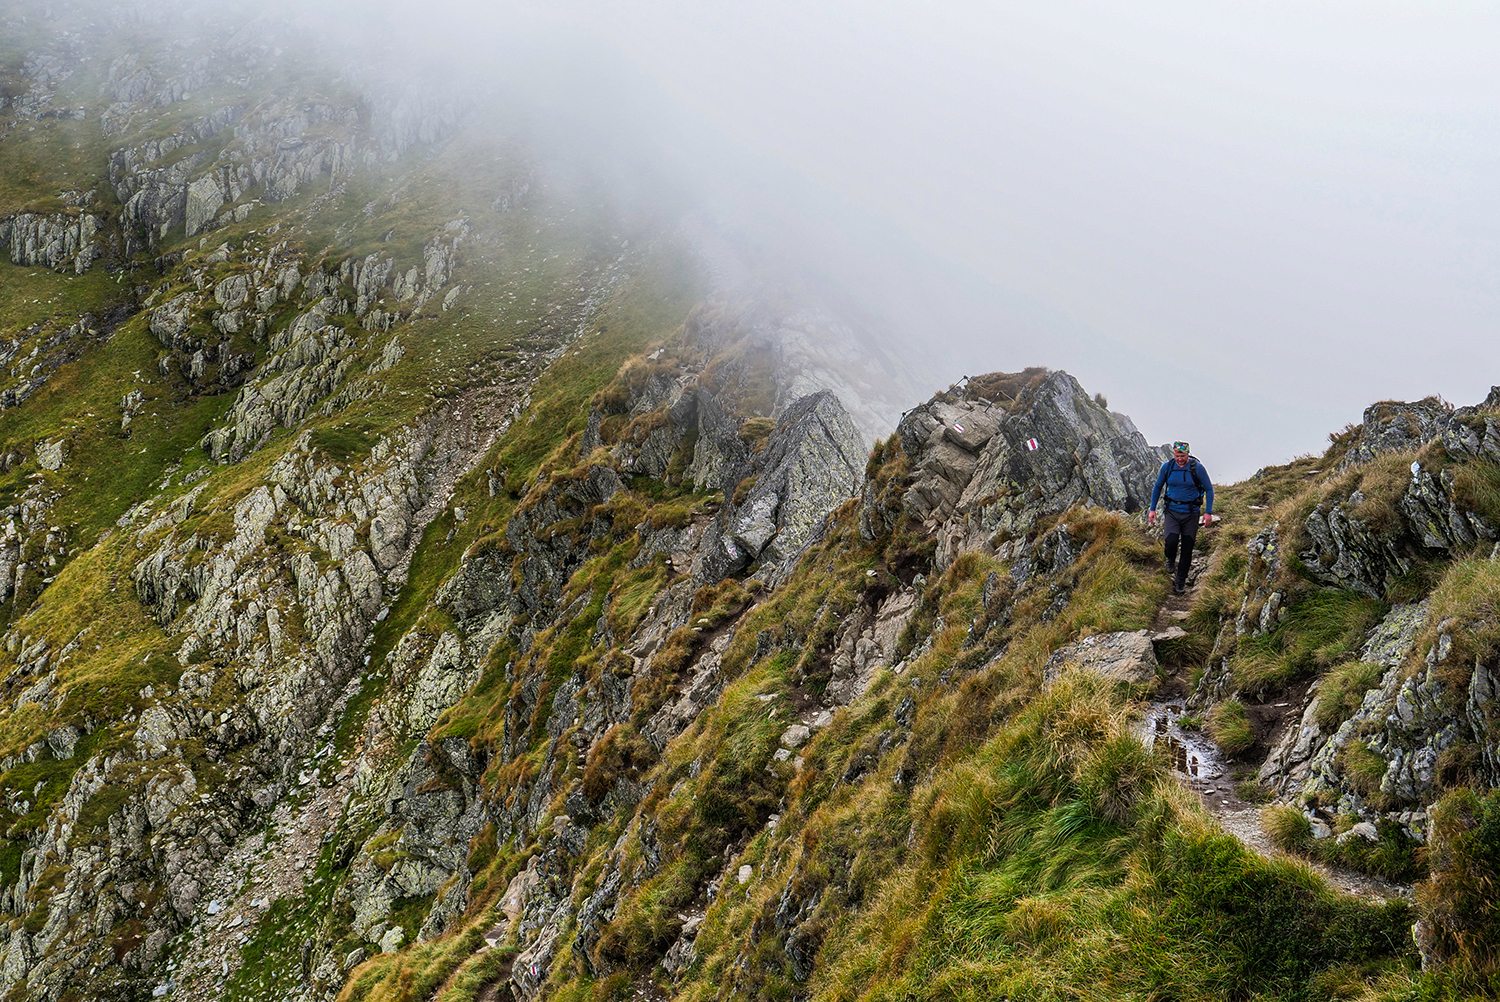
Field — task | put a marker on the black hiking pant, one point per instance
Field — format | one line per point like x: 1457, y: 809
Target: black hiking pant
x: 1181, y: 528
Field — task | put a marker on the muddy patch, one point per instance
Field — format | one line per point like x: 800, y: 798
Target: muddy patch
x: 1194, y: 756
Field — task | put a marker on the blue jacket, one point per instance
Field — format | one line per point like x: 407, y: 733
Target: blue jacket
x: 1182, y: 486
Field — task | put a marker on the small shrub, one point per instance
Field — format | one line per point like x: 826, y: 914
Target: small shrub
x: 1476, y: 487
x: 1251, y: 792
x: 621, y: 753
x: 1117, y: 778
x: 1363, y: 768
x: 1383, y: 483
x: 1394, y: 855
x: 1035, y: 922
x: 1229, y: 725
x: 757, y: 430
x: 1460, y: 765
x: 1469, y: 592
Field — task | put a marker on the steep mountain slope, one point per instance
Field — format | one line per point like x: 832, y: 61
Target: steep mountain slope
x: 420, y: 582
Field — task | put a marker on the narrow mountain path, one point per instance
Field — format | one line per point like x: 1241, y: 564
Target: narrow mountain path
x: 1204, y: 769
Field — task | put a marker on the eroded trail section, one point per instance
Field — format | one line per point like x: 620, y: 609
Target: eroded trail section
x: 1203, y: 768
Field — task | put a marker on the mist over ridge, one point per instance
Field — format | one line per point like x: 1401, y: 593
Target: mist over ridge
x: 1285, y: 211
x: 578, y: 503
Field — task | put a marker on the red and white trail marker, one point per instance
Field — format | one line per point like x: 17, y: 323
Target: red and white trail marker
x: 1032, y: 444
x: 958, y: 427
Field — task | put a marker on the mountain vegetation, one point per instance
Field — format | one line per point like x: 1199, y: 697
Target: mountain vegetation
x: 422, y: 578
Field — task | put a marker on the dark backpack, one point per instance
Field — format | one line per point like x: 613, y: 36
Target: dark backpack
x: 1192, y: 467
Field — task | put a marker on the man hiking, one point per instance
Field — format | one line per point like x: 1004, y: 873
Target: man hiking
x: 1187, y: 486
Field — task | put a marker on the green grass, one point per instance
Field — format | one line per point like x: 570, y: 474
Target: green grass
x: 37, y: 159
x: 1325, y: 628
x: 30, y: 296
x: 1031, y: 887
x: 1459, y: 904
x: 1230, y: 726
x: 1343, y: 691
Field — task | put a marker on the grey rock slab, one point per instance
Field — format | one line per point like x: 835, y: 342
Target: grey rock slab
x: 204, y: 196
x: 1128, y: 656
x: 796, y: 735
x: 49, y: 455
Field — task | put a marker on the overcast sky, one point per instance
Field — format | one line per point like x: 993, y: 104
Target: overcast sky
x: 1241, y: 222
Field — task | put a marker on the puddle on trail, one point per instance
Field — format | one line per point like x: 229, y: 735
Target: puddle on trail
x: 1193, y: 754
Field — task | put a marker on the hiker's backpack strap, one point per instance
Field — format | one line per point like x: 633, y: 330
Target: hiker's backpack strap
x: 1192, y: 469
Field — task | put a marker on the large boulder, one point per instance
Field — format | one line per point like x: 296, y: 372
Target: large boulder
x: 1127, y: 656
x: 986, y: 468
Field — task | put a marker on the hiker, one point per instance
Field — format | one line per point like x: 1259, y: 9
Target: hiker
x: 1187, y: 486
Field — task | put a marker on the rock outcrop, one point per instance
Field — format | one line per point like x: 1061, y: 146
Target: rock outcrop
x: 987, y: 467
x: 1128, y: 657
x: 54, y: 241
x: 1430, y: 717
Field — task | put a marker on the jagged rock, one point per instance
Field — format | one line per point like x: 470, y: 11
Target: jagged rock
x: 445, y: 677
x: 53, y: 241
x: 1474, y: 432
x: 233, y: 292
x: 698, y: 694
x: 813, y: 461
x: 156, y: 732
x: 204, y: 196
x: 49, y: 455
x: 63, y: 740
x: 1260, y: 609
x: 1435, y: 519
x: 868, y: 644
x: 1291, y: 760
x: 172, y: 320
x: 168, y: 791
x: 1407, y: 719
x: 1129, y: 657
x: 1392, y: 426
x: 983, y: 485
x: 1345, y: 552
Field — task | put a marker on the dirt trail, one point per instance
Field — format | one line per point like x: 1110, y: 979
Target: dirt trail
x: 1204, y: 769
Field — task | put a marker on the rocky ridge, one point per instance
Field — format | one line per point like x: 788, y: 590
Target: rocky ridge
x: 557, y: 698
x: 1401, y: 499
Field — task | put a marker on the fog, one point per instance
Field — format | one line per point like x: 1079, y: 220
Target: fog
x: 1240, y: 223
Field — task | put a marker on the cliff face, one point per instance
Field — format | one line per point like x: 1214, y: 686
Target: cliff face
x: 420, y: 584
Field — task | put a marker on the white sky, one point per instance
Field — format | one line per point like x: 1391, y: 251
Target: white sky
x: 1241, y: 222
